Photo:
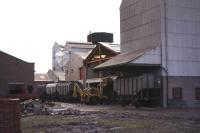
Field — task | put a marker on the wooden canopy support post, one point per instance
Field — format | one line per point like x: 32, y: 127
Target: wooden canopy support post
x: 99, y: 49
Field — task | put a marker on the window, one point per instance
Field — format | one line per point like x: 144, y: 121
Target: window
x: 16, y: 91
x: 81, y: 71
x: 177, y: 93
x: 16, y: 88
x: 197, y: 93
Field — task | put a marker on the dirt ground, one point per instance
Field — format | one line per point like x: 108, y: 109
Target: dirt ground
x: 114, y: 119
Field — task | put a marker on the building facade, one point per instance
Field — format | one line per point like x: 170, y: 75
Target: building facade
x: 101, y: 53
x: 58, y: 57
x: 173, y: 27
x: 16, y: 76
x: 68, y: 59
x: 162, y: 37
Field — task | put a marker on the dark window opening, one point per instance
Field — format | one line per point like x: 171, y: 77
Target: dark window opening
x: 16, y: 91
x: 177, y: 93
x: 16, y: 88
x: 197, y: 93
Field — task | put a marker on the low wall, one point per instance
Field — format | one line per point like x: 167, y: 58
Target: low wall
x: 9, y: 116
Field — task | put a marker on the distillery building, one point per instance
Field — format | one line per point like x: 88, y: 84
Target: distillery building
x: 160, y: 51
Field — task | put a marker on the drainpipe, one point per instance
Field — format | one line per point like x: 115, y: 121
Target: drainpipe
x: 166, y: 81
x: 164, y: 50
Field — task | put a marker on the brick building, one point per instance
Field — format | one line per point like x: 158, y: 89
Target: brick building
x: 16, y: 76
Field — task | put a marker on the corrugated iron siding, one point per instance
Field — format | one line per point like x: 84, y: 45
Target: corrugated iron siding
x: 73, y: 67
x: 141, y: 28
x: 183, y: 37
x: 140, y: 24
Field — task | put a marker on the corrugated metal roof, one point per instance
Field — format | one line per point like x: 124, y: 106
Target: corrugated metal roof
x: 60, y: 75
x: 83, y: 55
x: 76, y: 42
x: 114, y: 47
x: 12, y: 56
x: 42, y: 77
x: 123, y: 58
x: 82, y: 45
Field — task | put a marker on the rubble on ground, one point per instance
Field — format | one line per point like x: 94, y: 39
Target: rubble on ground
x: 36, y: 107
x: 113, y: 119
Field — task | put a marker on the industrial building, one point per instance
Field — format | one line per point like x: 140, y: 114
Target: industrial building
x: 69, y: 58
x: 160, y: 51
x: 58, y: 57
x: 16, y: 76
x: 101, y: 53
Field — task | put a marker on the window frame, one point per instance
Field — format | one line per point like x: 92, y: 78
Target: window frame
x: 16, y: 88
x: 177, y: 93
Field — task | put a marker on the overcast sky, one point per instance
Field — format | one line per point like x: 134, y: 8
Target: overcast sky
x: 29, y: 28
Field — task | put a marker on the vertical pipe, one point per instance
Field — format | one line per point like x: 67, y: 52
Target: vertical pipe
x: 124, y: 87
x: 136, y: 79
x: 120, y: 88
x: 128, y: 87
x: 164, y: 53
x: 132, y: 86
x: 147, y: 84
x: 142, y: 87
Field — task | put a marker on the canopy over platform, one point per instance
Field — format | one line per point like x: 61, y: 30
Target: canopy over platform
x: 146, y: 57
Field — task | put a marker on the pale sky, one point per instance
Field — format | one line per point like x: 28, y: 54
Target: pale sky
x: 29, y: 28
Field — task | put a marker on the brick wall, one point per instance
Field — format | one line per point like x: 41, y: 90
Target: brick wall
x: 9, y: 116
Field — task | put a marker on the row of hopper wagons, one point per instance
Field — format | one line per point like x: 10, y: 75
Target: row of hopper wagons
x: 74, y: 91
x: 59, y: 92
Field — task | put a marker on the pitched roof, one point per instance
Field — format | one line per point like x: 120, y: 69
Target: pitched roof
x: 56, y: 76
x: 123, y: 58
x: 60, y: 75
x: 42, y: 77
x: 107, y: 49
x: 3, y: 54
x: 83, y: 55
x: 82, y: 45
x: 114, y: 47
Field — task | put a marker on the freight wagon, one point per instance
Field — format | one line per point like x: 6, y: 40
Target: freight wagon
x: 143, y: 90
x: 60, y: 91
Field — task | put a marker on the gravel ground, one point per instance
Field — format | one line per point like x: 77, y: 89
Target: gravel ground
x: 114, y: 119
